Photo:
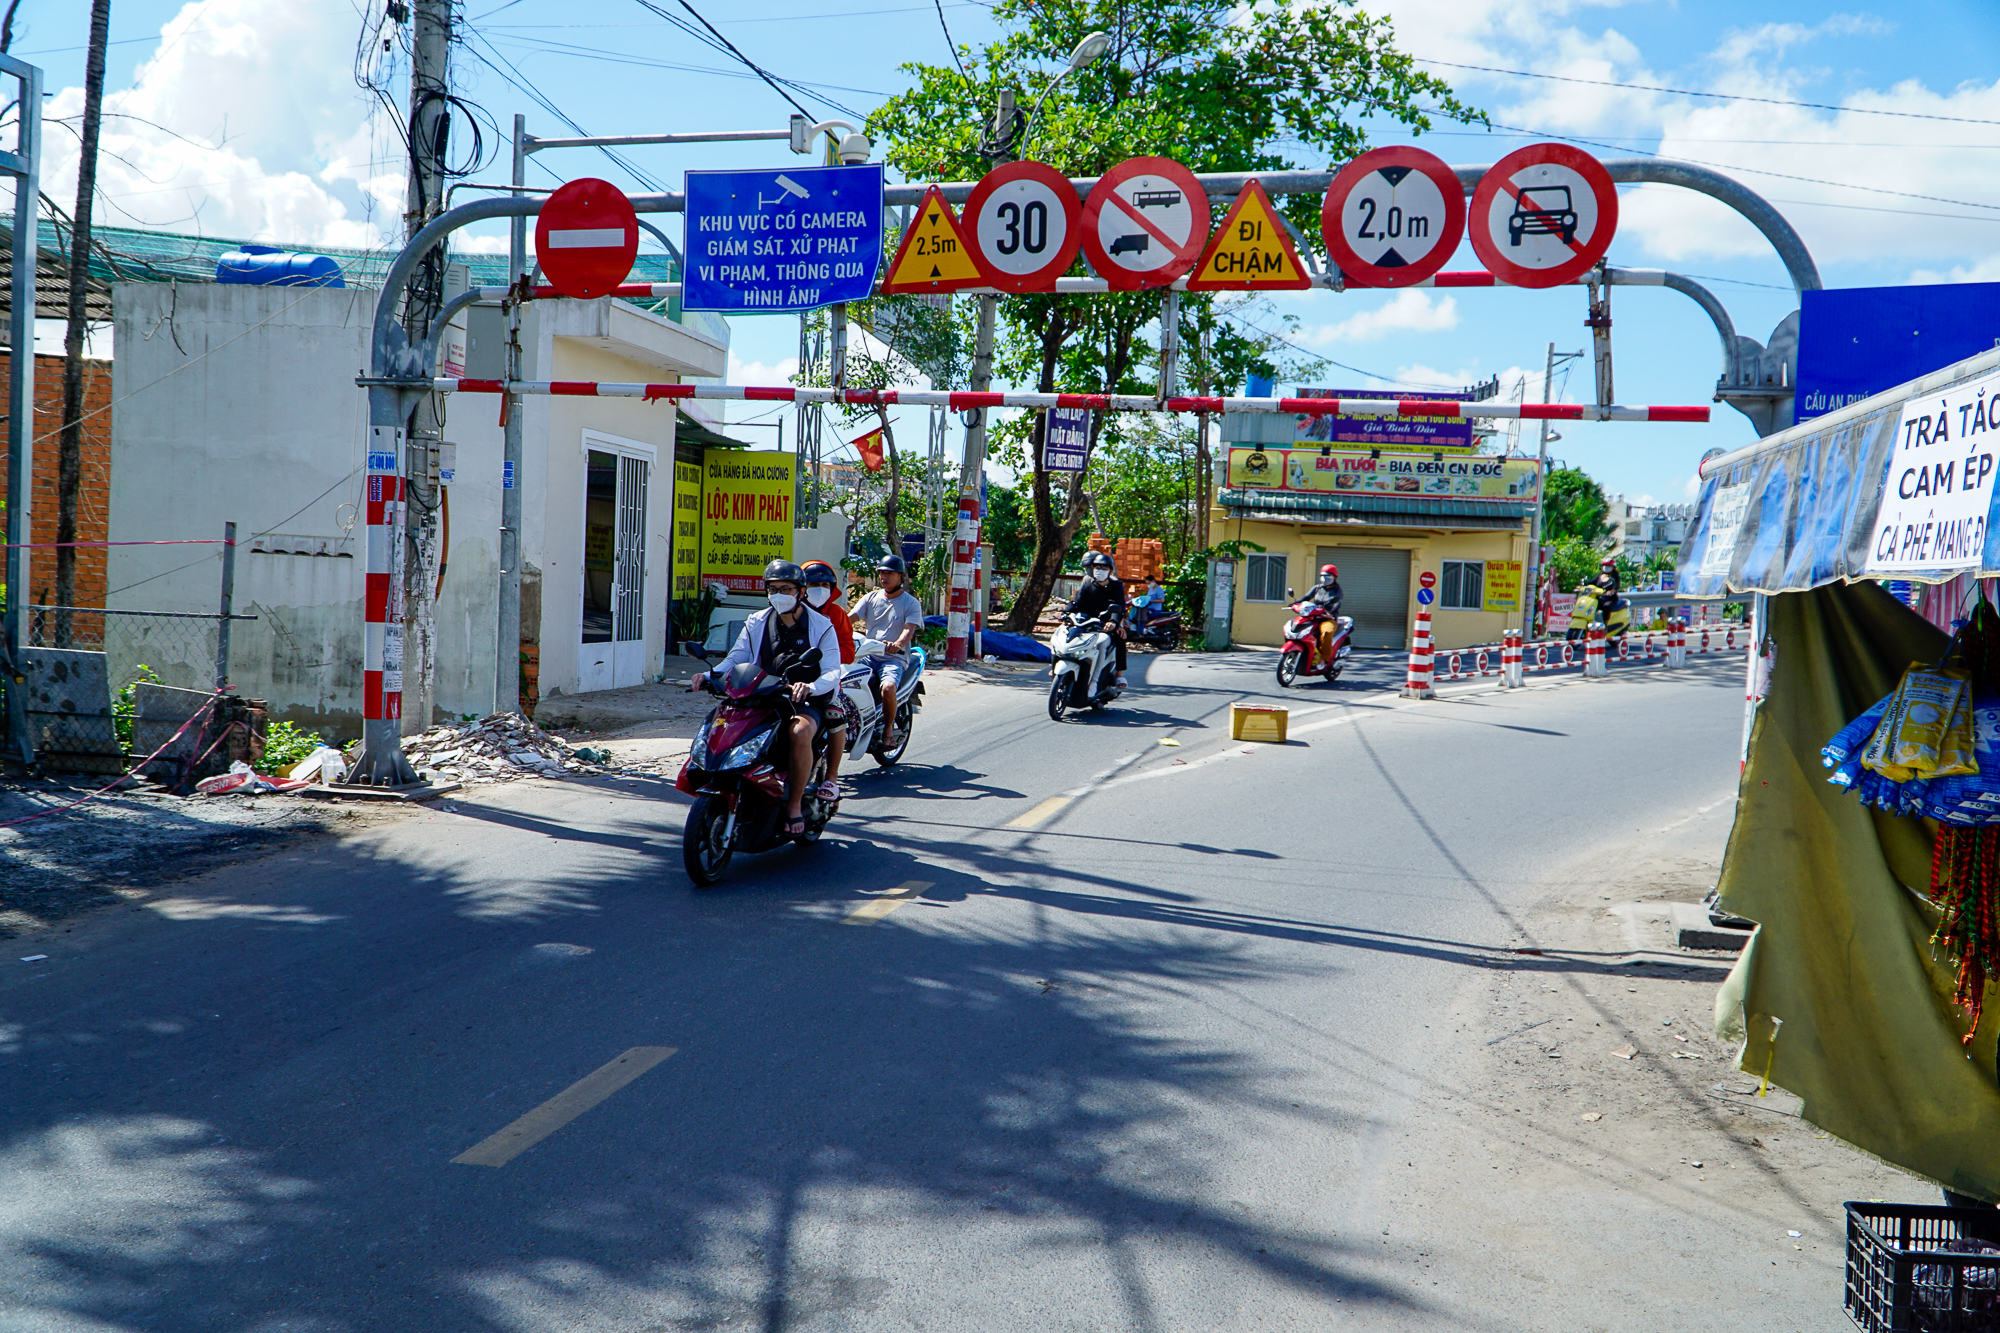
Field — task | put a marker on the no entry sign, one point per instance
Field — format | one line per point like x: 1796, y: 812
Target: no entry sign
x: 586, y: 238
x: 1393, y: 217
x: 1542, y: 215
x: 1025, y: 224
x: 1145, y: 223
x: 1427, y: 579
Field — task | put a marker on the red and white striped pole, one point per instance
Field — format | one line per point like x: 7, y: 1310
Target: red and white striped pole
x: 1510, y: 660
x: 958, y: 618
x: 1417, y: 685
x: 977, y: 649
x: 1593, y: 653
x: 381, y: 762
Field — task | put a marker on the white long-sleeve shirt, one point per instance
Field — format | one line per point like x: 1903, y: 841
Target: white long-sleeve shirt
x: 819, y: 634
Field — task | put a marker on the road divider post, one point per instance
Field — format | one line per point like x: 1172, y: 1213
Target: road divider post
x: 1593, y: 654
x: 1511, y: 677
x: 1417, y: 685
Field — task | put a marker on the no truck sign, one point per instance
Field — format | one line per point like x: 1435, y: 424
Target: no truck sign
x: 1940, y: 483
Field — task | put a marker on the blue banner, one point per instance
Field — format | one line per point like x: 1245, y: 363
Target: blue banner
x: 778, y: 242
x: 1854, y: 342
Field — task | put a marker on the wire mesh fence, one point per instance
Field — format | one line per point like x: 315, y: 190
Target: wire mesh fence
x: 84, y: 665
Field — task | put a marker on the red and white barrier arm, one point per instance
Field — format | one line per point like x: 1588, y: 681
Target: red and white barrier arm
x: 1102, y: 402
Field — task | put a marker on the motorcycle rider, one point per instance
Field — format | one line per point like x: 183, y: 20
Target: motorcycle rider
x: 894, y: 616
x: 1103, y: 598
x: 1152, y: 602
x: 1606, y: 584
x: 787, y: 629
x: 823, y: 596
x: 1326, y: 593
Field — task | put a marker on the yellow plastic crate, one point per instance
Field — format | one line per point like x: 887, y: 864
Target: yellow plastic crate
x: 1251, y: 722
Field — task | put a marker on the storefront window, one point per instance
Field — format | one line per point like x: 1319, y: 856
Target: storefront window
x: 1464, y: 585
x: 1265, y: 579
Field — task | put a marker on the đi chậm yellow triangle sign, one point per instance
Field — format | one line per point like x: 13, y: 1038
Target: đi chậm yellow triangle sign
x: 935, y: 255
x: 1250, y: 251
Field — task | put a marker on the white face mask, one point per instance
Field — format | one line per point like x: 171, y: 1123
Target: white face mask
x: 783, y: 602
x: 819, y: 596
x: 1100, y: 574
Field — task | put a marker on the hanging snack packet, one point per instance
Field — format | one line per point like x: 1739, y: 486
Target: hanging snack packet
x: 1929, y: 700
x: 1876, y: 756
x: 1842, y: 754
x: 1958, y: 753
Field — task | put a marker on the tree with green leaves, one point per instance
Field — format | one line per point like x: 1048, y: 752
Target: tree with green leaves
x: 1574, y: 506
x: 1199, y: 81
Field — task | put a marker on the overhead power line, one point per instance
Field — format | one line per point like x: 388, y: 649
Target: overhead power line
x: 1692, y: 92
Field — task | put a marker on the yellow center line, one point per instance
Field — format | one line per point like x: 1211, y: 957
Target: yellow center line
x: 562, y: 1108
x: 870, y: 912
x: 1040, y: 813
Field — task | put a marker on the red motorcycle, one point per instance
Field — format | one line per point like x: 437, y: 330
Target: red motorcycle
x: 1302, y: 641
x: 735, y: 770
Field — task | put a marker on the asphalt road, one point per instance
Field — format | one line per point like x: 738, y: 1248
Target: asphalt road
x: 1061, y: 1028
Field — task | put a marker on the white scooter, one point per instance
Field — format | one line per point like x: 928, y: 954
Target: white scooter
x: 865, y: 736
x: 1085, y: 668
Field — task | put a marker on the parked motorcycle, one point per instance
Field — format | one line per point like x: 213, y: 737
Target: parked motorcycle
x: 1162, y: 632
x: 1085, y: 667
x: 1585, y: 614
x: 1302, y: 642
x: 735, y: 770
x: 864, y: 733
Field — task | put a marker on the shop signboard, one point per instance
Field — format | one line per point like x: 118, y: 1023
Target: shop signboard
x: 1503, y: 586
x: 1475, y: 477
x: 687, y: 531
x: 1932, y: 515
x: 1425, y: 434
x: 746, y: 515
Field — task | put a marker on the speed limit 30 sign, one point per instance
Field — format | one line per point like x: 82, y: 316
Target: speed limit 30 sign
x: 1145, y: 224
x: 1024, y: 223
x: 1393, y: 217
x: 1543, y: 215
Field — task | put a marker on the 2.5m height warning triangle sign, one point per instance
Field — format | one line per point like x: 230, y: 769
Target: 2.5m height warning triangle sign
x: 1250, y: 251
x: 934, y: 255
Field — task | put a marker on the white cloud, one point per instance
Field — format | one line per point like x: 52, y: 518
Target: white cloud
x: 1412, y: 310
x: 228, y: 130
x: 760, y: 372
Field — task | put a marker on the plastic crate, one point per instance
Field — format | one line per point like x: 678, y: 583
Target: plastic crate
x: 1916, y: 1268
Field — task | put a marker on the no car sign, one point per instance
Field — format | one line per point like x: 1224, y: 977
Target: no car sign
x: 1543, y: 215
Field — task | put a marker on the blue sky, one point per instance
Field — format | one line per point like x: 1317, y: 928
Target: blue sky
x: 276, y: 141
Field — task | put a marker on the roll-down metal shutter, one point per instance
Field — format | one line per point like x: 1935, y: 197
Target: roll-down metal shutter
x: 1375, y: 590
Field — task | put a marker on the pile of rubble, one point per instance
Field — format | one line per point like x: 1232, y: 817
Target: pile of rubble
x: 498, y: 749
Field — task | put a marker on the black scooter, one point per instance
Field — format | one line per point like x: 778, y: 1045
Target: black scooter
x: 735, y: 769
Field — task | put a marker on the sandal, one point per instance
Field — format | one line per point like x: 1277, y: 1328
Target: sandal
x: 795, y: 826
x: 829, y: 792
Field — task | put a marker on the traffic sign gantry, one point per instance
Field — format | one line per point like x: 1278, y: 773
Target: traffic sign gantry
x: 1427, y: 579
x: 773, y: 242
x: 1542, y: 215
x: 1250, y: 251
x: 586, y: 238
x: 935, y: 255
x: 1025, y: 224
x: 1145, y: 223
x: 1393, y: 217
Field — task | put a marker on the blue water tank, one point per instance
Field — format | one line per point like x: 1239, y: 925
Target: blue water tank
x: 268, y: 266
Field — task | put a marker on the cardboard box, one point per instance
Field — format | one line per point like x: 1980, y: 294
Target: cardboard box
x: 1251, y: 722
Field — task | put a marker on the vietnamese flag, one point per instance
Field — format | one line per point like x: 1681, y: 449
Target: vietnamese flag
x: 870, y: 446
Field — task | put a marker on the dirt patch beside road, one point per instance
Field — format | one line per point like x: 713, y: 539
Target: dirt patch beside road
x: 1591, y: 1125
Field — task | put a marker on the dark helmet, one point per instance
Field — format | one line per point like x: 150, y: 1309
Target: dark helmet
x: 1096, y: 560
x: 892, y: 564
x: 783, y: 571
x: 1327, y: 572
x: 820, y: 574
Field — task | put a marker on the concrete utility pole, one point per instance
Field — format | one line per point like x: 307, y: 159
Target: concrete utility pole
x: 1205, y: 376
x: 429, y: 136
x: 1533, y: 587
x: 507, y: 660
x: 69, y: 450
x: 958, y: 621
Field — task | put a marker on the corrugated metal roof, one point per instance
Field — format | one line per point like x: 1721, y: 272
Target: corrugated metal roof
x: 126, y: 254
x: 1410, y: 511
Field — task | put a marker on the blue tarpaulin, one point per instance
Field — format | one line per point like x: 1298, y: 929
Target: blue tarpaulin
x: 1797, y: 510
x: 1007, y: 647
